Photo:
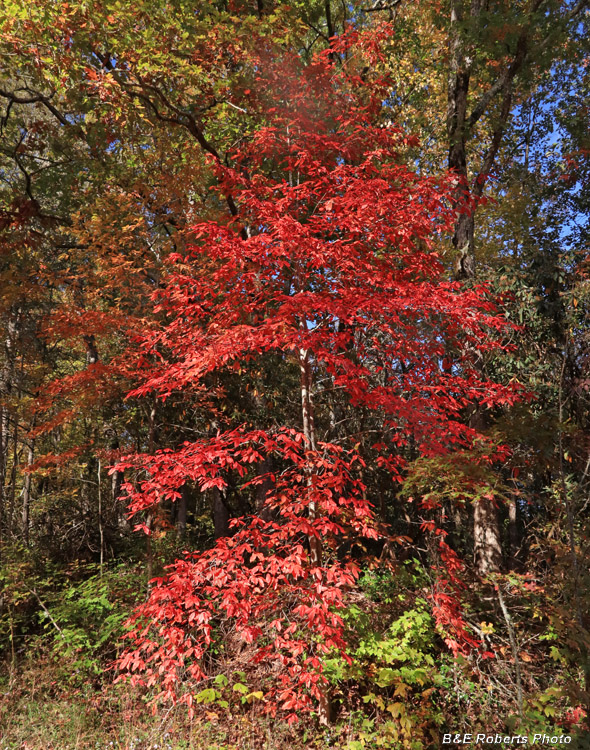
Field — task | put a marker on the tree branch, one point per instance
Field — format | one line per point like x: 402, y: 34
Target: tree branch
x: 521, y: 53
x: 35, y: 97
x: 47, y: 612
x: 183, y: 119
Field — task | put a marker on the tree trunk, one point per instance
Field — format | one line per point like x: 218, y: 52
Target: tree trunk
x: 92, y: 355
x: 307, y: 418
x: 513, y: 535
x: 117, y: 477
x: 149, y: 552
x: 487, y: 544
x: 26, y: 509
x: 458, y: 89
x: 487, y: 549
x: 220, y: 513
x: 262, y: 490
x: 100, y: 518
x: 12, y: 484
x: 486, y: 528
x: 6, y: 384
x: 315, y: 544
x: 460, y: 124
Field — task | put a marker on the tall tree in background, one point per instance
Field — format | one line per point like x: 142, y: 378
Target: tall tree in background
x: 479, y: 62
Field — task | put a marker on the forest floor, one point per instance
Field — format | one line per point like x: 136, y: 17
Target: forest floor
x: 44, y: 709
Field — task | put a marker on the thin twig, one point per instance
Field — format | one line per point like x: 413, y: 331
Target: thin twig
x: 514, y: 646
x: 47, y: 612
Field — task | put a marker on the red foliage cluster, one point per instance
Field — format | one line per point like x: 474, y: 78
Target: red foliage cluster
x: 261, y: 577
x: 330, y: 265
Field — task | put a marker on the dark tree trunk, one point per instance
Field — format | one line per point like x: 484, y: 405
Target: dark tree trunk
x: 220, y: 513
x: 92, y: 356
x: 458, y: 90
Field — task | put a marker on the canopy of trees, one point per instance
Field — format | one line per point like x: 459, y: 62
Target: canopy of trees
x: 294, y: 389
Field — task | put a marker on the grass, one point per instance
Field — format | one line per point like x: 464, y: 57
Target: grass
x: 45, y: 707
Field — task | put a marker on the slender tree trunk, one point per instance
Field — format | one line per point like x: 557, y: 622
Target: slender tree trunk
x: 513, y: 535
x: 487, y: 544
x: 310, y: 444
x: 100, y: 519
x: 117, y: 477
x: 149, y: 553
x: 12, y: 485
x: 6, y: 384
x: 315, y: 545
x: 27, y: 484
x: 116, y: 483
x: 514, y: 646
x: 262, y: 490
x: 88, y: 480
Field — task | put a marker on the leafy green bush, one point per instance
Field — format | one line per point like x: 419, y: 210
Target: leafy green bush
x: 86, y: 618
x: 393, y: 664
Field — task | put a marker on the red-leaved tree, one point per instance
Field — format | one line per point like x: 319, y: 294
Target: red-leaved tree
x: 329, y: 269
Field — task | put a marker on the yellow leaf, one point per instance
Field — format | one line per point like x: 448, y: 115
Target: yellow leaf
x: 396, y: 709
x: 401, y: 689
x: 256, y: 695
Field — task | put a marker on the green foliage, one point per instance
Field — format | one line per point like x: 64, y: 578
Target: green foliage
x: 228, y: 695
x: 393, y: 663
x: 80, y: 615
x: 86, y: 619
x: 463, y: 477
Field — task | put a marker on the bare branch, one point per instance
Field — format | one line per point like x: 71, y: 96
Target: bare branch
x: 380, y: 6
x: 47, y: 612
x: 34, y: 97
